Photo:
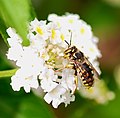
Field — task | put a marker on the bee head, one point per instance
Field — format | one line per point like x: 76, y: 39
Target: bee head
x: 69, y: 52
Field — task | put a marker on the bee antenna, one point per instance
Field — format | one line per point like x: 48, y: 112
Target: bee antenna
x: 70, y: 37
x: 69, y: 44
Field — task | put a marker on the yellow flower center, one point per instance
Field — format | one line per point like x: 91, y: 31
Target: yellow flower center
x: 62, y: 37
x: 91, y: 49
x: 82, y: 30
x: 39, y: 30
x: 71, y: 21
x: 53, y: 34
x: 58, y: 24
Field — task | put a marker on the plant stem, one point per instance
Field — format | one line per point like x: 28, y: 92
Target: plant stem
x: 7, y: 73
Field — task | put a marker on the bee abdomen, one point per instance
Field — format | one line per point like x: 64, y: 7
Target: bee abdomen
x: 87, y: 75
x: 89, y: 82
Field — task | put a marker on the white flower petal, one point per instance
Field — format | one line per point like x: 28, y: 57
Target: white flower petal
x: 23, y: 79
x: 47, y: 98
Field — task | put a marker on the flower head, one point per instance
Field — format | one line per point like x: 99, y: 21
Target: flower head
x: 43, y: 63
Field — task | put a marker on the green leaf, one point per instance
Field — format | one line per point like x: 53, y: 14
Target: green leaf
x: 3, y: 30
x: 34, y: 107
x: 16, y: 14
x: 9, y: 99
x: 7, y: 73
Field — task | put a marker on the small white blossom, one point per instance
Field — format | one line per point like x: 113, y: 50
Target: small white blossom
x: 30, y: 61
x: 59, y: 95
x: 54, y: 33
x: 24, y: 79
x: 36, y: 42
x: 67, y: 98
x: 54, y: 96
x: 67, y: 22
x: 14, y: 39
x: 40, y: 28
x: 68, y: 79
x: 15, y: 53
x: 91, y: 50
x: 48, y: 79
x: 83, y: 31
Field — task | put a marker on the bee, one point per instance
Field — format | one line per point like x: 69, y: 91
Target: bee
x: 82, y: 66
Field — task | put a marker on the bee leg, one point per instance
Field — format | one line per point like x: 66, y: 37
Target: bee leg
x: 70, y: 66
x: 76, y: 84
x: 58, y: 70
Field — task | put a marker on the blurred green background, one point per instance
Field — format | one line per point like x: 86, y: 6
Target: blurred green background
x: 104, y: 17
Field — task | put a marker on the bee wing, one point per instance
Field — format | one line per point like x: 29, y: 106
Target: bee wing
x: 79, y: 69
x: 96, y: 74
x: 86, y: 68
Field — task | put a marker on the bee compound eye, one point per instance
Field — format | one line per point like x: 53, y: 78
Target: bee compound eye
x: 79, y: 55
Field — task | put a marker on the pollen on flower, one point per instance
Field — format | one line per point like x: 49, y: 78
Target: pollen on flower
x: 43, y: 64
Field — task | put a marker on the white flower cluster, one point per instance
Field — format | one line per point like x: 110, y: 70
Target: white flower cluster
x: 99, y: 93
x: 42, y: 63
